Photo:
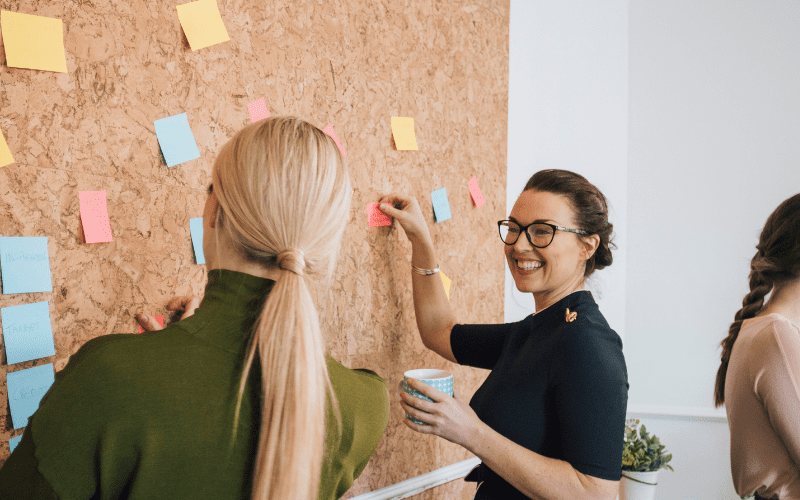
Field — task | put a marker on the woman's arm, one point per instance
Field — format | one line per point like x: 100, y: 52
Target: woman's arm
x: 536, y: 476
x: 435, y: 316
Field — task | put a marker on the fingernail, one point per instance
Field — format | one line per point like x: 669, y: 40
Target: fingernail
x: 143, y: 317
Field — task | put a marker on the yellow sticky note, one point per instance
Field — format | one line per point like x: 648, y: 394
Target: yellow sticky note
x: 5, y: 153
x: 33, y: 42
x: 202, y: 23
x: 446, y: 282
x: 403, y: 132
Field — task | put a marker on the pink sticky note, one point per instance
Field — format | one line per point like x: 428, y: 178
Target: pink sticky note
x: 329, y: 130
x: 258, y: 110
x: 160, y: 320
x: 376, y: 217
x: 475, y: 191
x: 94, y: 216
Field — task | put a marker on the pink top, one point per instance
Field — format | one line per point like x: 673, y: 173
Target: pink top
x: 762, y: 399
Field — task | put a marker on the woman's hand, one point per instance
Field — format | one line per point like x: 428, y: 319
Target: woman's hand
x: 449, y: 418
x: 408, y: 215
x: 188, y: 304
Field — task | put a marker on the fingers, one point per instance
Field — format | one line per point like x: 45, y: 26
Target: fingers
x: 435, y: 394
x: 390, y: 210
x: 149, y: 323
x: 178, y: 302
x: 191, y: 307
x: 399, y: 199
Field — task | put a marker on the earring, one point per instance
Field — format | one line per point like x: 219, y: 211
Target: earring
x: 571, y: 316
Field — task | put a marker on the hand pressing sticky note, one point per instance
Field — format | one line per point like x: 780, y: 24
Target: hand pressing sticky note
x: 13, y: 442
x: 196, y: 228
x: 5, y: 153
x: 258, y: 110
x: 441, y: 205
x: 403, y: 133
x: 446, y: 282
x: 475, y: 191
x: 25, y: 264
x: 25, y: 390
x: 329, y: 130
x: 94, y: 217
x: 160, y: 320
x: 176, y: 139
x: 33, y: 42
x: 202, y: 24
x: 27, y: 332
x: 376, y: 217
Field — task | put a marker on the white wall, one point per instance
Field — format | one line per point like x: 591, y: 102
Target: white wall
x: 686, y: 115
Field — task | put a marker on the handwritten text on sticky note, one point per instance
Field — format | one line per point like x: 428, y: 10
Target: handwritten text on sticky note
x: 258, y: 110
x: 26, y: 389
x: 202, y: 24
x: 160, y: 320
x: 403, y: 133
x: 475, y: 192
x: 94, y: 216
x: 196, y: 228
x: 376, y: 217
x: 33, y: 42
x: 176, y: 139
x: 25, y: 264
x: 329, y: 130
x: 441, y: 205
x: 27, y: 332
x: 6, y: 158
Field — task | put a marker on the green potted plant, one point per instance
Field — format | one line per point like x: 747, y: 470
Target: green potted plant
x: 643, y: 456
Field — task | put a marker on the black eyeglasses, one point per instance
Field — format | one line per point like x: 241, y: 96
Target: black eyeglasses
x: 540, y: 234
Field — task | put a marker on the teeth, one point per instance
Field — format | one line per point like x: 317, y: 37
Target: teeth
x: 529, y: 265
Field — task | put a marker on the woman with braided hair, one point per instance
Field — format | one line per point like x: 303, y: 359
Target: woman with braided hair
x: 179, y: 413
x: 759, y: 377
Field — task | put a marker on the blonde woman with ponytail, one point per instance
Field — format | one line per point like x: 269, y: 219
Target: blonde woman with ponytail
x: 238, y: 399
x: 759, y: 377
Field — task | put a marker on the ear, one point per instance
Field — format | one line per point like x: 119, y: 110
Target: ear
x: 213, y: 208
x: 590, y: 244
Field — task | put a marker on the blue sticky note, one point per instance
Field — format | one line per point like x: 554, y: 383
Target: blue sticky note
x: 441, y: 206
x: 27, y: 332
x: 176, y: 139
x: 25, y: 264
x: 26, y: 389
x: 196, y: 228
x: 13, y: 442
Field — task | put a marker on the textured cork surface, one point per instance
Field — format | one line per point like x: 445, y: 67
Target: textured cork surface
x: 350, y: 63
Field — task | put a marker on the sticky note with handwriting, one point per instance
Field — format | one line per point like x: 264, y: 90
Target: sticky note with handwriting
x: 13, y: 442
x: 176, y: 139
x: 196, y: 228
x: 475, y: 191
x: 94, y: 216
x: 377, y: 218
x: 258, y: 110
x: 6, y: 158
x: 403, y: 133
x: 202, y: 24
x: 329, y: 130
x: 441, y: 205
x: 446, y: 282
x: 33, y: 42
x: 27, y: 332
x: 25, y: 264
x: 160, y: 320
x: 25, y: 390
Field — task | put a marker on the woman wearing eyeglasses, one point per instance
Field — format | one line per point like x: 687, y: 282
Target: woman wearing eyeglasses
x: 548, y: 422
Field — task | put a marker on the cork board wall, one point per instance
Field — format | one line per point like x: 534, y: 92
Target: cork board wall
x: 351, y: 63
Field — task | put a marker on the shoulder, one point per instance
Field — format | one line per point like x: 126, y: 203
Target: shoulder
x: 359, y: 379
x: 776, y: 341
x: 589, y: 345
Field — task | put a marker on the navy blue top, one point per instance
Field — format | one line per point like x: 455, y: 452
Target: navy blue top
x: 558, y: 388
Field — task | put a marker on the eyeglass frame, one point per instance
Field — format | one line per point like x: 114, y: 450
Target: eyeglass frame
x: 524, y: 229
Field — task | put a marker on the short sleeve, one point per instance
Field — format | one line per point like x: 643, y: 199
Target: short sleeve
x: 778, y: 387
x: 479, y: 345
x: 591, y: 397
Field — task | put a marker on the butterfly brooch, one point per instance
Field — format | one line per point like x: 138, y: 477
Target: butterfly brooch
x: 571, y: 316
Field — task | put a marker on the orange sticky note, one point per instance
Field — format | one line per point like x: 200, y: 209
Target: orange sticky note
x: 202, y: 24
x: 376, y: 217
x: 258, y: 110
x: 329, y: 130
x: 160, y: 320
x: 446, y: 282
x: 403, y: 133
x: 33, y: 42
x: 94, y: 216
x: 475, y: 191
x: 5, y: 153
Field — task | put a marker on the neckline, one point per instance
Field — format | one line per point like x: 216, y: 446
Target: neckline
x: 779, y: 315
x: 536, y: 313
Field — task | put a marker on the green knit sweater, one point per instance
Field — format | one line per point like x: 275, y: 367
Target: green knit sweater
x: 150, y: 416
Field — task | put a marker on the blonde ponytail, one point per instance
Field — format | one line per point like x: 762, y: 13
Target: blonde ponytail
x: 283, y: 187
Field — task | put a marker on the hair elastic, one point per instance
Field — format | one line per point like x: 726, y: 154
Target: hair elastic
x: 292, y: 260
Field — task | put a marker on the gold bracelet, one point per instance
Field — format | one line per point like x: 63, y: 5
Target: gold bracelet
x: 424, y: 272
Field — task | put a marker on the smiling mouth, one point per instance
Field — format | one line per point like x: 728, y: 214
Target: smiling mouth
x: 529, y: 265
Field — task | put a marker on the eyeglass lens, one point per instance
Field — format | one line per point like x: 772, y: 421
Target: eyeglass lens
x: 540, y: 234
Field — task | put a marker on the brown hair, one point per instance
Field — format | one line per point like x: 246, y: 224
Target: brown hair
x: 588, y: 204
x: 284, y: 196
x: 776, y: 263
